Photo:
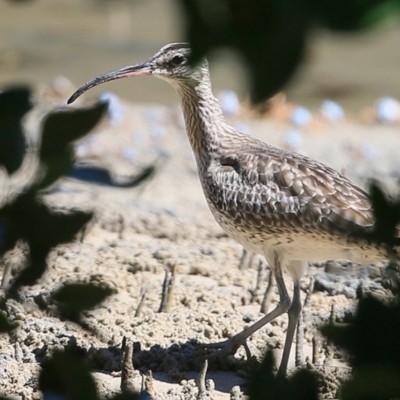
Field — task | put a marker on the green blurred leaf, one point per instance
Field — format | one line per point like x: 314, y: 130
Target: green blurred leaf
x: 352, y: 15
x: 380, y: 13
x: 60, y: 129
x: 5, y: 324
x: 14, y: 104
x: 73, y: 298
x: 67, y: 374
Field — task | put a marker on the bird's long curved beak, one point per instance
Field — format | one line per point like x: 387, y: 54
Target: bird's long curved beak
x: 132, y: 70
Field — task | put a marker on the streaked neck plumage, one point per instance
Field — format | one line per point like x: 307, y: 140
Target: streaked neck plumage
x: 205, y: 123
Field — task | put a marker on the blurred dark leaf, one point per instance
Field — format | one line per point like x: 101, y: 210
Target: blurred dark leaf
x: 304, y: 385
x: 74, y: 298
x: 3, y: 234
x: 54, y: 167
x: 35, y: 267
x: 270, y: 35
x: 372, y: 342
x: 373, y: 338
x: 145, y: 174
x: 263, y: 384
x: 66, y: 374
x: 100, y: 175
x: 60, y: 129
x: 352, y: 15
x: 8, y: 235
x: 42, y: 229
x: 387, y: 215
x: 39, y: 224
x: 14, y: 104
x: 5, y: 324
x: 379, y: 13
x: 90, y: 173
x: 133, y: 396
x: 377, y: 382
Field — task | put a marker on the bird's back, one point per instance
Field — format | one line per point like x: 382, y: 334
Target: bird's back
x: 266, y: 197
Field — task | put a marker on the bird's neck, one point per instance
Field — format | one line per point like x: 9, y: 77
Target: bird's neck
x: 205, y: 123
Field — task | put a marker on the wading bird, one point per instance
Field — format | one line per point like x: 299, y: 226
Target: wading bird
x: 282, y: 205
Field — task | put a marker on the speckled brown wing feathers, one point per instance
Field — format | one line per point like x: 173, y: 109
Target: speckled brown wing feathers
x: 274, y: 188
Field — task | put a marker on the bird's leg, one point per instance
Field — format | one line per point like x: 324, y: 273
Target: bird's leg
x: 231, y: 345
x: 293, y: 315
x: 268, y: 293
x: 299, y: 358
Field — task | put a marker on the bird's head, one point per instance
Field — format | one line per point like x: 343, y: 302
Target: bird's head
x: 171, y: 63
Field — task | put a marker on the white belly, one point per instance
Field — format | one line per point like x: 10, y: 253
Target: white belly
x: 304, y: 247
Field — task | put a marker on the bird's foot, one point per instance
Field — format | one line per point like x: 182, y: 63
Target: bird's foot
x: 230, y: 346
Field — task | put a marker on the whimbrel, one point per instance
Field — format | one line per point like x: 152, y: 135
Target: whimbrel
x: 282, y: 205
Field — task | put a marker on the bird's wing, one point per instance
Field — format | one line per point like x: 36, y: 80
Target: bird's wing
x: 283, y: 188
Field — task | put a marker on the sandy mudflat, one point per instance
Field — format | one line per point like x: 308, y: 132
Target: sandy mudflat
x: 139, y: 233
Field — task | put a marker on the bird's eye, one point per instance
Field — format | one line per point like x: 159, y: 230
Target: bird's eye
x: 178, y: 60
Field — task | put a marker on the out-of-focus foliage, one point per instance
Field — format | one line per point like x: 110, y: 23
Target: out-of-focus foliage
x: 67, y: 375
x: 271, y: 35
x: 100, y: 175
x: 372, y: 342
x: 352, y: 15
x: 263, y: 384
x: 386, y: 230
x: 60, y: 129
x: 13, y: 106
x: 74, y: 298
x: 25, y: 217
x: 5, y: 325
